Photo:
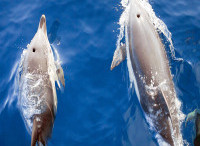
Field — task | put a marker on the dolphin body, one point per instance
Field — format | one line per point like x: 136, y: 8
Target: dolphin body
x: 38, y: 100
x: 152, y: 77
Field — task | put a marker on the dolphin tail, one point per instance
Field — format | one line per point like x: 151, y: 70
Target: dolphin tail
x: 119, y: 56
x: 37, y: 135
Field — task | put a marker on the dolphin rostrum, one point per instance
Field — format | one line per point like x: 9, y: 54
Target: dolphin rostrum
x: 38, y: 99
x: 152, y: 77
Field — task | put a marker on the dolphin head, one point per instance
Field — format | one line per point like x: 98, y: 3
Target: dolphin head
x: 39, y: 48
x: 40, y: 40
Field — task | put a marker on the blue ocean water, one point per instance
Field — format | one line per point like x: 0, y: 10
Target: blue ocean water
x: 96, y: 106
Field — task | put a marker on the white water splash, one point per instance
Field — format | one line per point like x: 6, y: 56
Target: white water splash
x: 13, y: 82
x: 57, y: 62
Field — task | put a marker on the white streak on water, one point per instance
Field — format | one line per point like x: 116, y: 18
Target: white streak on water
x: 14, y: 70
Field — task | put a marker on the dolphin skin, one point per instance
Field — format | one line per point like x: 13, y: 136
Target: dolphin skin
x: 38, y: 99
x: 153, y: 79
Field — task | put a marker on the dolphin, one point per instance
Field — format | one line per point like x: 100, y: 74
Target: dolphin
x: 38, y: 99
x: 195, y: 115
x: 152, y: 77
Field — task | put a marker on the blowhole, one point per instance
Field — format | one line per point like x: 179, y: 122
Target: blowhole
x: 138, y: 15
x: 33, y: 49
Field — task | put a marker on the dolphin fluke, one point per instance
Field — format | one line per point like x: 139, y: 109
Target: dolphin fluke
x: 37, y: 134
x: 119, y: 56
x: 42, y: 127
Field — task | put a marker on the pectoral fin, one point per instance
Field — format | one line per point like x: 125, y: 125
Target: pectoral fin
x: 119, y: 56
x: 60, y: 74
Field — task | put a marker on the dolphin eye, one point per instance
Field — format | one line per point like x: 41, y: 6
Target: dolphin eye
x: 33, y: 49
x: 138, y: 15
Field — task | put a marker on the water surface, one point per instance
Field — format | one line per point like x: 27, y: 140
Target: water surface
x: 96, y: 107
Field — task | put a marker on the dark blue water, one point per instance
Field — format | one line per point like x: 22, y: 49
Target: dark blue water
x: 96, y: 106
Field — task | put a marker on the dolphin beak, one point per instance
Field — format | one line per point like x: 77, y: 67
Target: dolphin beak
x: 42, y: 24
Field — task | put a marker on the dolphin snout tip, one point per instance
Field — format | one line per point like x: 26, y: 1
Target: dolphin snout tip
x: 42, y: 20
x: 42, y: 24
x: 43, y: 16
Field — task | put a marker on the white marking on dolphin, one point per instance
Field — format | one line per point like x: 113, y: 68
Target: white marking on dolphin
x: 148, y: 62
x: 38, y: 99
